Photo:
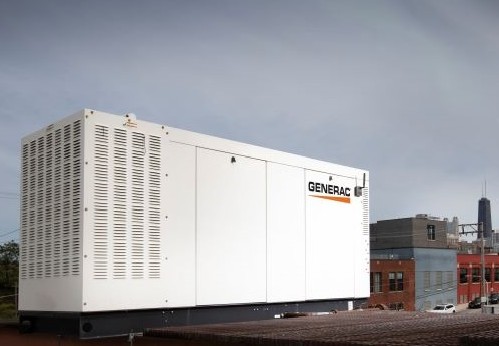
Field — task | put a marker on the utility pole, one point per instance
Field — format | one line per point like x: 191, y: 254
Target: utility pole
x: 478, y: 228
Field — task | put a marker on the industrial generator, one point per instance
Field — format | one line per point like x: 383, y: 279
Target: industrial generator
x: 128, y: 224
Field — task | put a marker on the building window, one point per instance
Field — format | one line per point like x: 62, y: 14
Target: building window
x: 396, y: 281
x: 449, y: 282
x: 496, y: 274
x: 391, y: 281
x: 396, y: 306
x: 430, y: 231
x: 376, y: 282
x: 475, y: 275
x: 438, y: 283
x: 426, y: 281
x: 487, y: 274
x: 400, y: 281
x: 463, y: 275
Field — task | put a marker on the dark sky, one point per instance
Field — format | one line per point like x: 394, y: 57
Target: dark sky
x: 405, y: 89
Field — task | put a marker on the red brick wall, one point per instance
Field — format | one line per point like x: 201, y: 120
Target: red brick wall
x: 391, y: 298
x: 467, y: 291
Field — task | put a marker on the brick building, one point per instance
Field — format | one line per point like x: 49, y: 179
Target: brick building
x: 392, y: 283
x: 469, y: 275
x: 423, y: 240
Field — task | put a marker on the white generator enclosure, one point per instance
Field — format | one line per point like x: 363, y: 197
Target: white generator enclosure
x: 120, y: 214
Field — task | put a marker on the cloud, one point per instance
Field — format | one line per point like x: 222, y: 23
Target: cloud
x: 404, y: 89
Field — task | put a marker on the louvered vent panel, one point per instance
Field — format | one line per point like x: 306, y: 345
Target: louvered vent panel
x: 101, y: 198
x: 32, y: 210
x: 127, y: 186
x: 39, y: 201
x: 75, y: 201
x: 23, y: 253
x: 137, y: 204
x: 154, y: 152
x: 51, y: 197
x: 49, y: 202
x: 120, y: 198
x: 57, y: 231
x: 365, y: 211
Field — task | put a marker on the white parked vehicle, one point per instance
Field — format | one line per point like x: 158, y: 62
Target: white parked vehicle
x: 444, y: 309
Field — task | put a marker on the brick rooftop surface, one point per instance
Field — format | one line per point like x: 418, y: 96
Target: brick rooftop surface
x: 368, y: 327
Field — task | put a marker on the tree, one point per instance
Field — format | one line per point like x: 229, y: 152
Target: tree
x: 9, y: 264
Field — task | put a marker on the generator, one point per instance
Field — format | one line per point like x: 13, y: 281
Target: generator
x: 128, y: 224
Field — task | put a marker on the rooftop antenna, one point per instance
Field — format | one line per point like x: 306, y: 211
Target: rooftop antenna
x: 484, y: 188
x: 358, y: 189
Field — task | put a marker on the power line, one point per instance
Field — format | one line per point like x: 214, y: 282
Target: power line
x: 399, y: 233
x: 392, y: 236
x: 9, y: 296
x: 9, y: 195
x: 9, y: 233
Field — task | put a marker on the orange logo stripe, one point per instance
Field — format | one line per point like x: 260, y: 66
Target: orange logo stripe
x: 334, y: 198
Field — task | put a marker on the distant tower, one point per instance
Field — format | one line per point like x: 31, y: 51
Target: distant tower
x: 484, y: 216
x: 453, y: 227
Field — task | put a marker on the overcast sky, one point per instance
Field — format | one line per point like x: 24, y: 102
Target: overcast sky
x: 408, y: 90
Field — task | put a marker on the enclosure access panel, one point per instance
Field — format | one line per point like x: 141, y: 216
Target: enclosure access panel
x: 122, y: 215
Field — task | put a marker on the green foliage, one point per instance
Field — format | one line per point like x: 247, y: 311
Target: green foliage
x: 9, y: 253
x: 9, y: 264
x: 8, y: 311
x: 9, y: 273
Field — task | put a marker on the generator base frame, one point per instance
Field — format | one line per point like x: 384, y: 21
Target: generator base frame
x: 117, y: 323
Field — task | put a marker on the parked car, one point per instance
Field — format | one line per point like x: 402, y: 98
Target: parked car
x: 494, y: 298
x: 476, y: 303
x: 444, y: 309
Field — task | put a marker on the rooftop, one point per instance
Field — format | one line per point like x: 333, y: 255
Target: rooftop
x: 369, y: 327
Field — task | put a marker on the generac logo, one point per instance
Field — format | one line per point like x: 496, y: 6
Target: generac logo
x: 329, y: 192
